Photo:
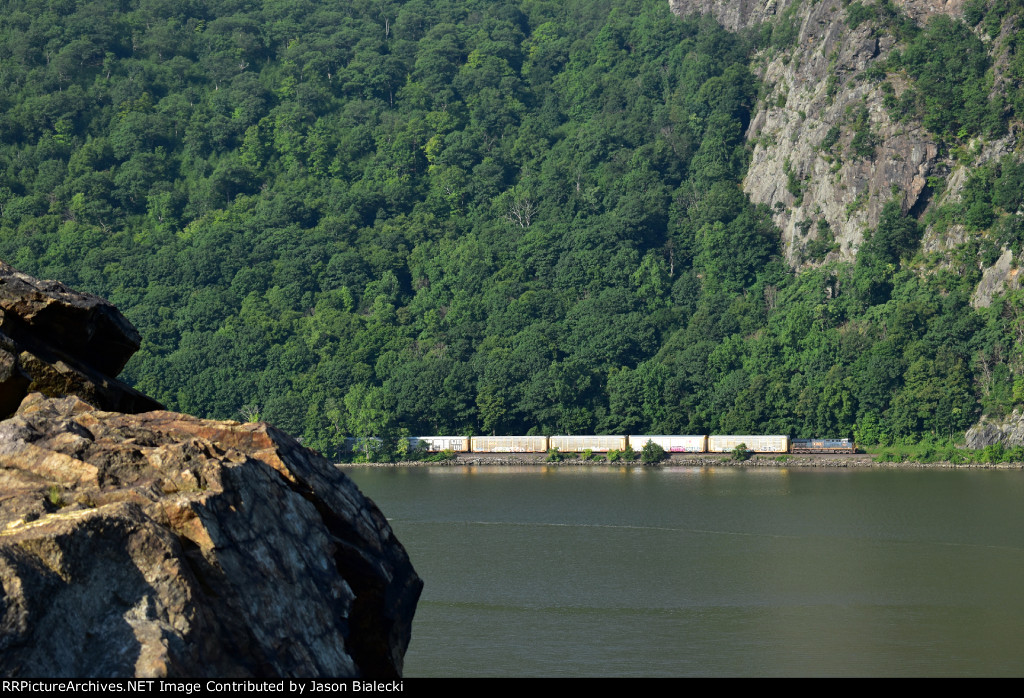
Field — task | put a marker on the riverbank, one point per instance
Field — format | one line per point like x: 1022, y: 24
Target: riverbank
x: 859, y: 460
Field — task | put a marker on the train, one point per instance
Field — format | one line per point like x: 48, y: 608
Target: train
x: 754, y: 443
x: 822, y: 446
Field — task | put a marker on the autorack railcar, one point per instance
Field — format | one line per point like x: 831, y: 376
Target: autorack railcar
x: 579, y: 444
x: 671, y: 443
x: 509, y: 444
x: 755, y: 443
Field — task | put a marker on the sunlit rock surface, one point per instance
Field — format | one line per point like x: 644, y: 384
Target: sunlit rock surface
x: 158, y: 544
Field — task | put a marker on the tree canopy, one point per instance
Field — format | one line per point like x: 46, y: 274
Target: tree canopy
x: 513, y: 216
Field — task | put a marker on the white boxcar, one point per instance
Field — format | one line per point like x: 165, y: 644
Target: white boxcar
x: 579, y: 444
x: 434, y: 444
x: 755, y: 443
x: 671, y: 444
x: 509, y: 444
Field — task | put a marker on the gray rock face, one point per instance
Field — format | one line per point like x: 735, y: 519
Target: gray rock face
x: 826, y: 154
x: 1009, y: 432
x: 731, y: 14
x: 825, y: 150
x: 165, y: 545
x: 740, y: 14
x: 1001, y: 276
x: 59, y: 342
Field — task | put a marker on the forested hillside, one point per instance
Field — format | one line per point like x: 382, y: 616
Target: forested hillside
x: 510, y: 216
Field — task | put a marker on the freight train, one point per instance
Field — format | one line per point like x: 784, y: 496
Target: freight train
x: 602, y: 444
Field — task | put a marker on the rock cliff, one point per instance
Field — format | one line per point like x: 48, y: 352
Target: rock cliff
x: 159, y: 544
x: 826, y: 155
x: 742, y: 14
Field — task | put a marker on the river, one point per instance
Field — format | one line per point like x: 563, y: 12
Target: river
x: 710, y: 571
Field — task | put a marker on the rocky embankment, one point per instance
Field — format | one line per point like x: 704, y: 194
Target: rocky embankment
x: 782, y: 462
x: 158, y: 544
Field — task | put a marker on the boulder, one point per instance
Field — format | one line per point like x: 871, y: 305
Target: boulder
x: 57, y: 341
x: 163, y: 545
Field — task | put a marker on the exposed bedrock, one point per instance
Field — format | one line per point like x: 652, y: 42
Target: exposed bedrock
x: 826, y: 154
x: 160, y: 544
x: 740, y: 14
x: 1009, y: 431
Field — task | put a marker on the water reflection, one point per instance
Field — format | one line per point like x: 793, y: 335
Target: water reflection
x: 594, y: 570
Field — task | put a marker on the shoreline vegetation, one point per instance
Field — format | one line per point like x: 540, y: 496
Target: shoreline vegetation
x: 924, y: 455
x: 703, y: 461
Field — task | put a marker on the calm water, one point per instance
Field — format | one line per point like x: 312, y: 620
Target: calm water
x: 723, y: 572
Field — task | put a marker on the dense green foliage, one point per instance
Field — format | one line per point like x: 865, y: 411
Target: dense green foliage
x: 946, y: 66
x: 652, y: 453
x: 942, y: 451
x: 424, y: 217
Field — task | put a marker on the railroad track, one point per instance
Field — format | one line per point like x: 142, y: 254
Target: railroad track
x: 675, y: 458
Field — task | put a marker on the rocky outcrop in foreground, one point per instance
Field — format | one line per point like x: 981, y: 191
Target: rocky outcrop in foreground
x: 58, y: 342
x: 158, y: 544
